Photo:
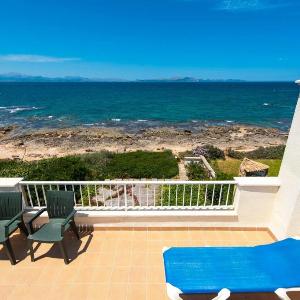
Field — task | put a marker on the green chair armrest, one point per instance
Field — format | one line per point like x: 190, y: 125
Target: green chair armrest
x: 66, y: 221
x: 34, y: 218
x: 16, y: 217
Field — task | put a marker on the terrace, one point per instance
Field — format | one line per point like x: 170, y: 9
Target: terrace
x: 125, y: 224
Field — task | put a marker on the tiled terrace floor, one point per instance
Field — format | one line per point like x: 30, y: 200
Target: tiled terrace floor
x: 108, y: 264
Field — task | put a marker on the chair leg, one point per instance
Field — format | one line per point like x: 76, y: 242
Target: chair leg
x: 74, y: 229
x: 30, y: 246
x: 23, y: 228
x: 9, y: 252
x: 63, y: 252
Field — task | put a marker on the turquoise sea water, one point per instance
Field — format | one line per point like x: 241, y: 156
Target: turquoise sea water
x: 142, y: 105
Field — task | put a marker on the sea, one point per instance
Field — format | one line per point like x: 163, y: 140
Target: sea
x: 141, y: 105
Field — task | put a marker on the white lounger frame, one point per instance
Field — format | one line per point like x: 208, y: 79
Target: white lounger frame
x: 174, y: 293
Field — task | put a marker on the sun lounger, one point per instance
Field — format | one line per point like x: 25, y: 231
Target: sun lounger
x: 224, y: 270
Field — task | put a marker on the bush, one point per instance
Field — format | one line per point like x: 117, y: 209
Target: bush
x: 63, y: 168
x: 96, y: 163
x: 209, y: 152
x: 224, y: 176
x: 196, y: 171
x: 142, y: 164
x: 196, y: 195
x: 95, y: 166
x: 273, y: 152
x: 14, y: 168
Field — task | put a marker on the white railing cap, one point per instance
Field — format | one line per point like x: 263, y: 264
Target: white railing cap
x: 257, y: 181
x: 122, y: 182
x: 9, y: 182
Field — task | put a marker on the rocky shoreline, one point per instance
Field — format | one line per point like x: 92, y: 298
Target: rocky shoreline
x: 38, y: 144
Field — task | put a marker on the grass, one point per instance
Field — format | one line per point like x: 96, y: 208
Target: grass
x: 95, y: 166
x: 231, y: 166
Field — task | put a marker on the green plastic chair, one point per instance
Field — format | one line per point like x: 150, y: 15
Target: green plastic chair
x: 61, y: 212
x: 11, y: 218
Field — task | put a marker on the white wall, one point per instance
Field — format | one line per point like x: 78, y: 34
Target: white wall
x: 286, y: 213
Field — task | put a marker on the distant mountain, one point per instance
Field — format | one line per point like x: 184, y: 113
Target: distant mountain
x: 189, y: 79
x: 16, y: 77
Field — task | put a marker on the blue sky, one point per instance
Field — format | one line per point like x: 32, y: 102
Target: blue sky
x: 246, y: 39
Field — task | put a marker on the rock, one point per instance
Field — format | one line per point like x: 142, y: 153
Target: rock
x: 19, y: 144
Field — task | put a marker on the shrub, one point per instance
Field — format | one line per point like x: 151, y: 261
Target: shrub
x: 63, y: 168
x: 196, y: 171
x: 96, y: 163
x: 195, y: 195
x: 224, y: 176
x: 273, y: 152
x: 95, y: 166
x: 14, y: 168
x: 209, y: 152
x: 142, y: 164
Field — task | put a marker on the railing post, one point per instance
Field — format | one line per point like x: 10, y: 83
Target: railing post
x: 125, y: 196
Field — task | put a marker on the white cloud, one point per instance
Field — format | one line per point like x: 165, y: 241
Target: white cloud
x: 30, y: 58
x: 235, y: 5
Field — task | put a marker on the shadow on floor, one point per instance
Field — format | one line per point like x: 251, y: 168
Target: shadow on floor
x: 20, y: 246
x: 71, y: 243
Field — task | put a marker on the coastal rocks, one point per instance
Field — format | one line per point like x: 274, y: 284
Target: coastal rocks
x: 19, y: 144
x: 50, y: 142
x: 4, y: 131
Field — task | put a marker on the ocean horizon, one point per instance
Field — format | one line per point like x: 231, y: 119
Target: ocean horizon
x: 141, y: 105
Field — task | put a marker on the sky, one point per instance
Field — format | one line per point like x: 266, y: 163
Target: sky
x: 144, y: 39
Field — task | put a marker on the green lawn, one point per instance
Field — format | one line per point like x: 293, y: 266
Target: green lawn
x: 231, y: 166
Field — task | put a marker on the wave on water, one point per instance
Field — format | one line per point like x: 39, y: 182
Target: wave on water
x: 16, y: 109
x: 115, y: 120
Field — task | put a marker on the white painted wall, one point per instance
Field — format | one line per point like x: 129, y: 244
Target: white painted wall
x: 10, y: 184
x: 255, y: 200
x: 286, y: 212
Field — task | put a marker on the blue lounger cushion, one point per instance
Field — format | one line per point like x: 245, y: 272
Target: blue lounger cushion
x: 204, y: 270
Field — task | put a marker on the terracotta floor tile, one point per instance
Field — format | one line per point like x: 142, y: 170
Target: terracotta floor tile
x: 101, y: 274
x: 154, y: 259
x: 155, y: 234
x: 77, y: 292
x: 20, y: 292
x: 156, y: 275
x: 137, y: 292
x: 6, y: 290
x: 106, y: 259
x: 58, y: 291
x: 109, y: 246
x: 139, y: 258
x: 156, y: 291
x: 117, y: 291
x: 138, y: 275
x: 120, y: 275
x: 139, y: 245
x: 123, y: 258
x: 84, y: 275
x: 97, y: 291
x: 140, y: 234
